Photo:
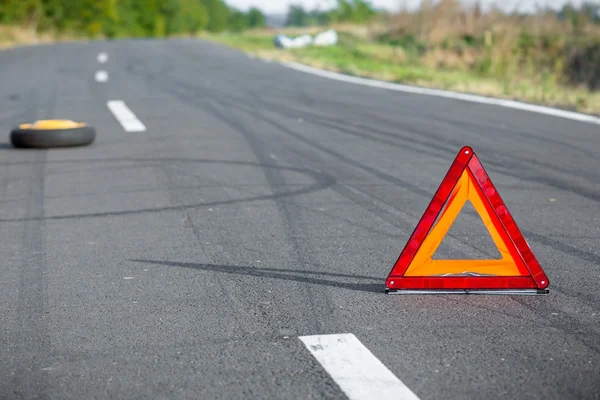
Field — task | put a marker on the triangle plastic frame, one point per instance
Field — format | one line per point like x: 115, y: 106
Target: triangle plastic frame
x: 532, y: 279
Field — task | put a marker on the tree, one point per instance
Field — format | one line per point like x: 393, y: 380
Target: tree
x: 296, y: 16
x: 128, y: 18
x: 591, y: 10
x: 363, y: 11
x: 218, y: 15
x: 358, y: 11
x: 193, y: 16
x: 111, y: 19
x: 320, y: 17
x: 237, y: 21
x: 256, y: 19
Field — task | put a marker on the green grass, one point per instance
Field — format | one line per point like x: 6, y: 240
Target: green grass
x: 358, y: 57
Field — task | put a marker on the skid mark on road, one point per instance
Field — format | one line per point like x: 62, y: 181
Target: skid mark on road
x: 317, y: 181
x: 31, y: 340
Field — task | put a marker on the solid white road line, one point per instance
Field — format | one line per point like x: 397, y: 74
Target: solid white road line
x: 101, y: 76
x: 125, y: 116
x: 102, y: 58
x: 355, y: 369
x: 442, y: 93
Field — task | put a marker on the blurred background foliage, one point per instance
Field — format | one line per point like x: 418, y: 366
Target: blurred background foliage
x: 128, y: 18
x: 550, y: 56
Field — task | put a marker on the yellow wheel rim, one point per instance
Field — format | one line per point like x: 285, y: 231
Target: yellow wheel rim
x: 48, y: 124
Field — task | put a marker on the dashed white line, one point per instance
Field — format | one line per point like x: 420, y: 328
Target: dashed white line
x: 125, y: 116
x: 102, y: 58
x: 355, y: 369
x: 443, y: 93
x: 101, y: 76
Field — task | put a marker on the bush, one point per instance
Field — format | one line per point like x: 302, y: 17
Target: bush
x: 583, y: 65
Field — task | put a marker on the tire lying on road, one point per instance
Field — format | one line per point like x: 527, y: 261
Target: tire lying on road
x: 52, y: 133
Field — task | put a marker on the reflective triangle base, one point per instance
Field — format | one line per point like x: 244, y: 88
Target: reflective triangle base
x: 516, y: 292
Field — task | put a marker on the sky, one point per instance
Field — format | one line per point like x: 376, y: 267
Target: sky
x: 281, y: 6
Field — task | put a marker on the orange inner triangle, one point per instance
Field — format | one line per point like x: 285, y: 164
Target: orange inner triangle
x: 423, y: 263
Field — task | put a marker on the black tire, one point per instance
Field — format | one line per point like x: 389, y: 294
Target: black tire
x: 47, y: 138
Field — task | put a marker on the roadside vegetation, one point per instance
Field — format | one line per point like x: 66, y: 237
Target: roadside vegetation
x: 549, y: 57
x: 34, y: 21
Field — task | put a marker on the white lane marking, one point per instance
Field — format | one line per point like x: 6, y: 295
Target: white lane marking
x: 442, y: 93
x: 102, y: 58
x: 101, y: 76
x: 125, y: 116
x: 355, y: 369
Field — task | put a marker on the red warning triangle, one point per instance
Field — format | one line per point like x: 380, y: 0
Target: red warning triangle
x: 517, y: 272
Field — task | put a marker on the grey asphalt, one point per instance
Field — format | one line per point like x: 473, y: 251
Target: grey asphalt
x: 263, y: 204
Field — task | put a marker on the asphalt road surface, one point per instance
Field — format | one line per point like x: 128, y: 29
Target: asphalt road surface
x: 232, y: 210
